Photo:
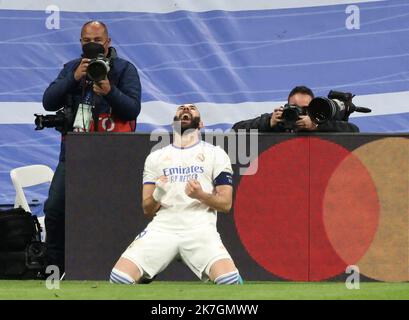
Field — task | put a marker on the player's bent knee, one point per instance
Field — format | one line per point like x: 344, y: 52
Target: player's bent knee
x: 125, y: 272
x: 232, y: 277
x: 120, y: 277
x: 220, y: 267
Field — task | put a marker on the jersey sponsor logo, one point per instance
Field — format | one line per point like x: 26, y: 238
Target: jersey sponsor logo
x: 182, y: 170
x: 183, y: 174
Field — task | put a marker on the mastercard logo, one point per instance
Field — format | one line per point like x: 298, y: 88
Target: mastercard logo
x: 313, y: 207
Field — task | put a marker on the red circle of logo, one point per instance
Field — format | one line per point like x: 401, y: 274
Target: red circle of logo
x: 279, y: 211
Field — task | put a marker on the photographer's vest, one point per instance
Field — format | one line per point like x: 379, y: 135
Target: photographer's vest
x: 88, y: 114
x: 109, y: 123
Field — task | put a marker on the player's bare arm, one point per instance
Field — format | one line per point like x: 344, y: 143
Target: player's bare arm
x: 221, y: 199
x: 152, y: 195
x: 149, y: 205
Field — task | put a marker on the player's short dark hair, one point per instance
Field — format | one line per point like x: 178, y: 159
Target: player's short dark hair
x: 301, y: 89
x: 96, y: 22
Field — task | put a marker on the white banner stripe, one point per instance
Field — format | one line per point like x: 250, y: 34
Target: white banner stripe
x: 165, y: 6
x: 161, y: 113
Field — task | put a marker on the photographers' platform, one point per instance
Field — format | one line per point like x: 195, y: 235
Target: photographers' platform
x: 306, y: 206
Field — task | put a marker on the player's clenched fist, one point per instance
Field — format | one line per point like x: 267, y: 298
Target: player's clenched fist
x: 162, y: 186
x: 193, y: 189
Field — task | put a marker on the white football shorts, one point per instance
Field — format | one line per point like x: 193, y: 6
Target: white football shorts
x: 153, y: 250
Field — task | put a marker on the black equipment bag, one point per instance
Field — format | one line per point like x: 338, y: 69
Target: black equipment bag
x: 22, y: 254
x: 17, y: 229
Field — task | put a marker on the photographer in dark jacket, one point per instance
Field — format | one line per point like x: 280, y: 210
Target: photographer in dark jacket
x: 300, y: 96
x: 116, y: 98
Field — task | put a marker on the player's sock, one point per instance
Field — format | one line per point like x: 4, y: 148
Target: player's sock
x: 229, y: 278
x: 120, y: 277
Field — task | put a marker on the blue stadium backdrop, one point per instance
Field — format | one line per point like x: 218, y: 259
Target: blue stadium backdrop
x: 235, y: 58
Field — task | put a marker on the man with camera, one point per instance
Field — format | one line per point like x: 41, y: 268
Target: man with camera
x: 98, y: 92
x: 293, y: 117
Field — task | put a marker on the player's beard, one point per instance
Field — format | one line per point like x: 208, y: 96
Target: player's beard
x: 192, y: 125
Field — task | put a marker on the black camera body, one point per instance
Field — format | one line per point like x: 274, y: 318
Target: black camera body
x: 291, y: 114
x: 98, y: 68
x: 62, y: 120
x: 99, y: 65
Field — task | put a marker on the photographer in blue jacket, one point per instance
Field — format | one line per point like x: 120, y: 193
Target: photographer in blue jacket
x: 97, y: 92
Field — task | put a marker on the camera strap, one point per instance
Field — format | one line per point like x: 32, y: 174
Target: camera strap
x: 95, y: 117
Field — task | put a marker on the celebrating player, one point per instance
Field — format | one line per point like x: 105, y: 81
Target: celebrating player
x: 185, y: 184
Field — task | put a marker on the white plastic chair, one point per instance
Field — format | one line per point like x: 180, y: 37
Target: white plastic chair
x: 28, y: 176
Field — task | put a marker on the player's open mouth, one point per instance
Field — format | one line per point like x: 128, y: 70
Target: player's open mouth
x: 186, y: 117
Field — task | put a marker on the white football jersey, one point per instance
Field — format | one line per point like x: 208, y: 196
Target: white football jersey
x: 203, y: 162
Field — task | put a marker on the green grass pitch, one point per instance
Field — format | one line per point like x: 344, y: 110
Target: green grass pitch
x: 161, y: 290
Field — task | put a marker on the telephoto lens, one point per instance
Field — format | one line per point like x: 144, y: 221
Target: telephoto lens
x: 322, y: 109
x: 98, y: 68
